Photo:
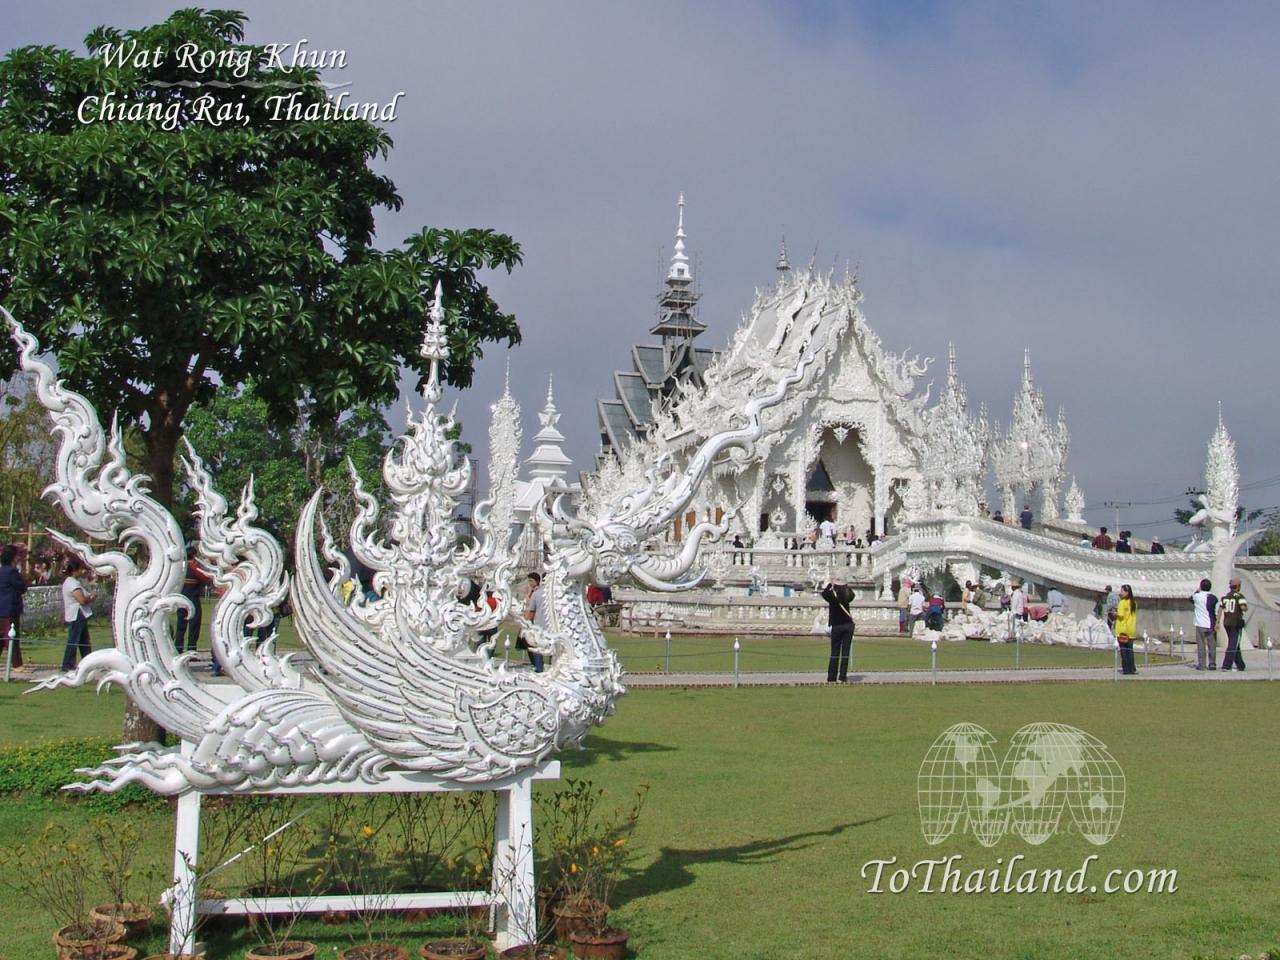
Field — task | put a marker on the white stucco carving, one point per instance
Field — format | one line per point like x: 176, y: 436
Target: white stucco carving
x: 1216, y: 518
x: 403, y: 684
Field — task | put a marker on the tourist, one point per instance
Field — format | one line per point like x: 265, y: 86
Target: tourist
x: 1205, y: 605
x: 1024, y: 517
x: 1018, y: 602
x: 1100, y: 602
x: 1126, y: 628
x: 487, y: 636
x: 1113, y: 604
x: 904, y: 603
x: 915, y: 612
x: 1102, y: 541
x: 738, y: 547
x: 1122, y: 545
x: 827, y: 529
x: 936, y: 613
x: 39, y: 574
x: 535, y: 612
x: 1233, y: 607
x: 1056, y: 600
x: 12, y: 587
x: 1085, y: 541
x: 193, y: 584
x: 77, y: 608
x: 998, y: 516
x: 1156, y: 545
x: 838, y: 597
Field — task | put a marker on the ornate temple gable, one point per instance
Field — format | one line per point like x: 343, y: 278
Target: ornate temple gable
x: 1032, y: 454
x: 956, y: 449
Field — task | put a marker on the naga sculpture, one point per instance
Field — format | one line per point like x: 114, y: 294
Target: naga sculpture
x: 400, y: 682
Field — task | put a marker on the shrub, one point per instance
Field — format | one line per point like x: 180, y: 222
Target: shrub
x: 41, y: 770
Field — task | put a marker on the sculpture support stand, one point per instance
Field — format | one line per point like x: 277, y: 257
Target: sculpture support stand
x: 511, y: 895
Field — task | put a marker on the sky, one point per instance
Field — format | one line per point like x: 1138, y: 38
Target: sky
x: 1095, y: 182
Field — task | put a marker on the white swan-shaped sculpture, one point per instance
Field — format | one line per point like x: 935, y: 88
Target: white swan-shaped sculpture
x: 399, y: 682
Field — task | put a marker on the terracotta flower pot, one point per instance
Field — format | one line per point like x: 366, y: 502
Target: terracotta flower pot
x: 609, y: 944
x: 579, y: 914
x: 290, y: 950
x: 73, y: 942
x: 135, y: 917
x: 532, y: 951
x: 102, y: 951
x: 457, y: 948
x: 375, y: 951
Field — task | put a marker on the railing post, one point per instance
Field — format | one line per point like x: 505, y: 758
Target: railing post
x: 668, y: 669
x: 737, y: 649
x: 1017, y: 646
x: 933, y: 644
x: 8, y: 652
x: 1115, y: 659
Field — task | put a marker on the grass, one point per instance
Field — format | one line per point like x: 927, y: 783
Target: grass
x: 766, y: 803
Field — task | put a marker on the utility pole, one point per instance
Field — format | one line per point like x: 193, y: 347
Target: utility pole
x: 1117, y: 504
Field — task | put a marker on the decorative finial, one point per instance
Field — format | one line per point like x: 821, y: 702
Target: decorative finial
x: 1221, y: 426
x: 679, y: 261
x: 506, y: 380
x: 549, y: 415
x: 783, y: 263
x: 435, y: 347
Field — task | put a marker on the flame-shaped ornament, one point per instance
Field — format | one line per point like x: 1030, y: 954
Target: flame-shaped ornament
x: 400, y: 682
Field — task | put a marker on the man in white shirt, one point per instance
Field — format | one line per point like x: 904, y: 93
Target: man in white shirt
x: 828, y: 531
x: 1018, y: 602
x: 916, y: 609
x: 1205, y: 605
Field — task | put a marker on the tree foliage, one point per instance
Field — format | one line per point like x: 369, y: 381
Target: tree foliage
x: 238, y: 438
x: 163, y: 257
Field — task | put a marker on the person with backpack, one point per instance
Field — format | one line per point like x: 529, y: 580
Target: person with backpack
x: 838, y: 596
x: 1233, y: 608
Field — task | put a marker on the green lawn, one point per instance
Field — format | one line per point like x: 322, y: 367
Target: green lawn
x: 714, y: 654
x: 765, y: 804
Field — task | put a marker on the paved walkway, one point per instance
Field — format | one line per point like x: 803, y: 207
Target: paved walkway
x: 1175, y: 671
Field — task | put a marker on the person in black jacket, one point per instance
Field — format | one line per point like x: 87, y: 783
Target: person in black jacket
x: 838, y: 597
x: 12, y: 587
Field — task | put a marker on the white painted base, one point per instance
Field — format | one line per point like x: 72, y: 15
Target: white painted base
x: 511, y: 896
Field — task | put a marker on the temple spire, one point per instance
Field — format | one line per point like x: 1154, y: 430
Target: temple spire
x: 676, y: 320
x: 679, y: 260
x: 548, y: 460
x: 783, y: 263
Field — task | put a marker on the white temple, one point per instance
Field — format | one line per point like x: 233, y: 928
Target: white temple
x: 857, y: 441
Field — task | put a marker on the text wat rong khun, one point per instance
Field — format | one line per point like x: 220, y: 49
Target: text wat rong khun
x: 716, y: 467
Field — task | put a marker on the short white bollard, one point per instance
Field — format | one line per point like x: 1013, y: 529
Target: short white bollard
x: 8, y: 652
x: 1271, y: 645
x: 668, y: 670
x: 1146, y: 649
x: 737, y: 648
x: 1115, y: 661
x: 933, y: 656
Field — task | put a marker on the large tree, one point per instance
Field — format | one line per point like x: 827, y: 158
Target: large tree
x: 167, y: 252
x: 160, y: 257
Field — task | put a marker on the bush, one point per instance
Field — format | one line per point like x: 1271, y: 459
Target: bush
x: 41, y: 770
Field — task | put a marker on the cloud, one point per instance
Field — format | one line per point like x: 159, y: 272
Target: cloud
x: 1095, y: 184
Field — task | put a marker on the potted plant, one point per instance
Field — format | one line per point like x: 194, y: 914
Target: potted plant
x: 52, y: 874
x: 117, y: 845
x: 590, y: 882
x: 356, y: 853
x: 472, y: 870
x: 278, y: 867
